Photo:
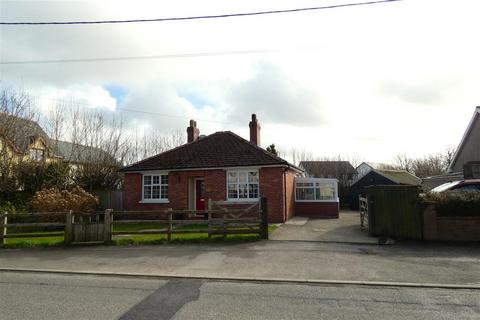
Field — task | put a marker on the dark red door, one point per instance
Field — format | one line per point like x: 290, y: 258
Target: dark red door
x: 200, y: 194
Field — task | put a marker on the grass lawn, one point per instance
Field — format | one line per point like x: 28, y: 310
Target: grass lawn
x: 141, y: 238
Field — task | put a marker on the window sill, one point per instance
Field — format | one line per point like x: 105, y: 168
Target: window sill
x: 153, y: 201
x: 240, y: 201
x: 320, y: 201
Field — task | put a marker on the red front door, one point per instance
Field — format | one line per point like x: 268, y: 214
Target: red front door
x: 200, y: 194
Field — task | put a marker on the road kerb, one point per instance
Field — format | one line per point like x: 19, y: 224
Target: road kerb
x: 251, y: 279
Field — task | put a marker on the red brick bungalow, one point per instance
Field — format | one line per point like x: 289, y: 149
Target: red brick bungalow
x: 222, y: 166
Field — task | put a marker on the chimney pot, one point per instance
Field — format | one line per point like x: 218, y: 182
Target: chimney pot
x: 254, y: 130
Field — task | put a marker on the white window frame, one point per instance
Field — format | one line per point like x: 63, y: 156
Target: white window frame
x: 228, y: 199
x: 36, y: 154
x: 160, y: 184
x: 320, y: 181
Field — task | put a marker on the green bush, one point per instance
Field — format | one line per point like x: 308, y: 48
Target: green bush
x: 456, y: 203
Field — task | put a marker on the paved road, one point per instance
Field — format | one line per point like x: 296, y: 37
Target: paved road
x: 48, y: 296
x: 419, y: 263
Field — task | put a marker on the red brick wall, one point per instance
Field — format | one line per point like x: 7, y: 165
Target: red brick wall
x: 271, y: 186
x: 317, y: 209
x: 177, y: 189
x: 449, y: 228
x: 458, y: 228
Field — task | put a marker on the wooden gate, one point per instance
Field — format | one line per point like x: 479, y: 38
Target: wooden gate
x: 86, y: 228
x: 394, y: 211
x: 363, y: 205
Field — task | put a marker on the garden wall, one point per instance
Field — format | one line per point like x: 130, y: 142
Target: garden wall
x: 449, y: 228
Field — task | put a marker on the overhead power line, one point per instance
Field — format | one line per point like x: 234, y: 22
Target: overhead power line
x: 130, y: 110
x: 164, y: 56
x: 228, y: 15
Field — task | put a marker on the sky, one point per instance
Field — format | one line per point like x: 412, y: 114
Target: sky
x: 366, y: 82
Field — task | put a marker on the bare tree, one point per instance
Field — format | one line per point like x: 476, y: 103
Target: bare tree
x: 449, y: 154
x: 16, y: 131
x: 403, y: 162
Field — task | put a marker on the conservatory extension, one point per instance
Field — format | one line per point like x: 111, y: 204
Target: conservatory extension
x: 316, y: 197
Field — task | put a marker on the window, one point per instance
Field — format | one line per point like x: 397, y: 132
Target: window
x: 242, y: 185
x: 155, y: 187
x: 315, y: 189
x: 36, y: 154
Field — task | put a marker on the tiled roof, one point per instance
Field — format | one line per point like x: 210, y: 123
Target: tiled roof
x: 221, y: 149
x: 78, y: 153
x: 400, y: 176
x: 327, y: 168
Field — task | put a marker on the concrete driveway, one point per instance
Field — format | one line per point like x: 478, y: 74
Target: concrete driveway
x: 344, y: 229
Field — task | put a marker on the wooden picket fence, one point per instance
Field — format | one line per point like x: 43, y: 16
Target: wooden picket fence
x: 79, y: 227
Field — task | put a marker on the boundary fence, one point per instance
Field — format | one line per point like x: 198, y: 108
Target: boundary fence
x: 81, y: 227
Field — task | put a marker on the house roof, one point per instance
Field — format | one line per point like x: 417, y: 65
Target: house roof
x: 19, y: 131
x: 375, y: 165
x: 78, y: 153
x: 400, y: 176
x: 328, y: 168
x: 476, y: 117
x: 221, y: 149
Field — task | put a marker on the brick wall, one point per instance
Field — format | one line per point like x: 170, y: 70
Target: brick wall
x: 317, y: 209
x: 271, y: 186
x: 449, y: 228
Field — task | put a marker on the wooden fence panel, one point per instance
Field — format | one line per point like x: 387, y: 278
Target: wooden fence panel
x: 394, y: 211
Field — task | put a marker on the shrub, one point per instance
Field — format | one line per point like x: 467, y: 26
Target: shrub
x: 456, y: 203
x: 54, y: 200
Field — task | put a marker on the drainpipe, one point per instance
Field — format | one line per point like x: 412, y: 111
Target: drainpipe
x: 285, y: 194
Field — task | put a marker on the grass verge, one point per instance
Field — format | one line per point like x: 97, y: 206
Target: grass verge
x: 186, y: 238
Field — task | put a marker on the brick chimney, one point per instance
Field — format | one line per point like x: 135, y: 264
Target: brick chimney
x: 192, y: 132
x: 254, y: 130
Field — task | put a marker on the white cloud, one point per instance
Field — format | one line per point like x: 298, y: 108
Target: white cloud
x: 369, y: 81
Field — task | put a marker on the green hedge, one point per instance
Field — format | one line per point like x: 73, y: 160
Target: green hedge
x: 456, y: 203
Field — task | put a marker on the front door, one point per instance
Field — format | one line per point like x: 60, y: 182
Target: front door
x: 199, y: 194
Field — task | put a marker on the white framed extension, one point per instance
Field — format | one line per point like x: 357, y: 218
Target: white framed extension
x: 316, y: 190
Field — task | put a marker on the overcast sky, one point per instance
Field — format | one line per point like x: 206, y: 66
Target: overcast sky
x: 368, y: 82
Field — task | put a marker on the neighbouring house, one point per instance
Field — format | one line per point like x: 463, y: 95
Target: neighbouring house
x: 228, y: 170
x: 466, y: 160
x: 343, y: 171
x: 380, y: 177
x: 24, y: 140
x: 365, y: 167
x: 469, y: 148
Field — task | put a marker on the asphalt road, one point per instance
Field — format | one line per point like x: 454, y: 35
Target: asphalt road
x: 52, y: 296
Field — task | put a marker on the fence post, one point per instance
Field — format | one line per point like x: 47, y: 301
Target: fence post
x: 209, y: 215
x: 169, y: 235
x: 4, y: 229
x: 264, y: 216
x: 107, y: 225
x: 224, y: 223
x: 68, y: 235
